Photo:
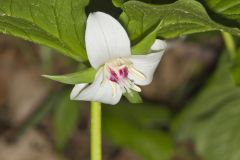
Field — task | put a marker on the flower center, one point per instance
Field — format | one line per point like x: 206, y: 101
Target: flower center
x: 120, y: 75
x: 117, y: 71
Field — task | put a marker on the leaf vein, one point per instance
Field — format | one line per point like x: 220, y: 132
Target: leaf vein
x: 56, y: 19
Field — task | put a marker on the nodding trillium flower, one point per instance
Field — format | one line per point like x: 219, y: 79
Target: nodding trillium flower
x: 109, y: 52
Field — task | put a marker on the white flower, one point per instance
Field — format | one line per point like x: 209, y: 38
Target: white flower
x: 109, y: 52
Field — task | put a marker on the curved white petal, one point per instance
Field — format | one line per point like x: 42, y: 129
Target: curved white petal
x: 77, y: 89
x: 159, y: 45
x: 105, y: 39
x: 146, y: 64
x: 101, y: 91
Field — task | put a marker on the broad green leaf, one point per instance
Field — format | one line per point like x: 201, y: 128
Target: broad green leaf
x: 85, y: 76
x: 212, y: 119
x: 137, y: 128
x: 66, y: 117
x: 133, y: 97
x: 227, y: 8
x: 59, y: 24
x: 145, y: 22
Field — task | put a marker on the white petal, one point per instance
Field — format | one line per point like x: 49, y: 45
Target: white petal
x: 77, y: 89
x: 146, y: 64
x: 105, y: 39
x: 159, y: 45
x: 101, y: 91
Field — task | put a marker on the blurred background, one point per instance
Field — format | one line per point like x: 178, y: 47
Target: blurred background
x: 191, y: 110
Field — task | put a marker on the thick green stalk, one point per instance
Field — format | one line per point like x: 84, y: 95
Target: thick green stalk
x: 230, y: 44
x: 96, y: 136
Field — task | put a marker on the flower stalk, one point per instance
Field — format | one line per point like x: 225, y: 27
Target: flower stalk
x: 96, y: 136
x: 230, y: 44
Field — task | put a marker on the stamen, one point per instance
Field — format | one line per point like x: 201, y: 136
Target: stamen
x: 136, y: 88
x: 116, y: 72
x: 125, y: 83
x: 136, y: 73
x: 133, y: 86
x: 114, y: 90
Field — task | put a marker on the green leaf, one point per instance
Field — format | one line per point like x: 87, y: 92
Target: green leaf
x: 85, y: 76
x: 118, y: 3
x: 59, y: 24
x: 133, y: 97
x: 229, y: 9
x: 145, y: 22
x: 137, y: 128
x: 212, y: 119
x: 65, y: 120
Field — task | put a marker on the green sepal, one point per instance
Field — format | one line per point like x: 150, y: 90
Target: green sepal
x: 133, y: 97
x: 85, y: 76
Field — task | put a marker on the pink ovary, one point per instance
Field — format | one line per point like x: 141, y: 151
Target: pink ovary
x: 113, y: 76
x: 122, y: 74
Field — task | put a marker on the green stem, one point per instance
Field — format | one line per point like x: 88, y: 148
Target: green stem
x: 230, y: 44
x: 96, y: 137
